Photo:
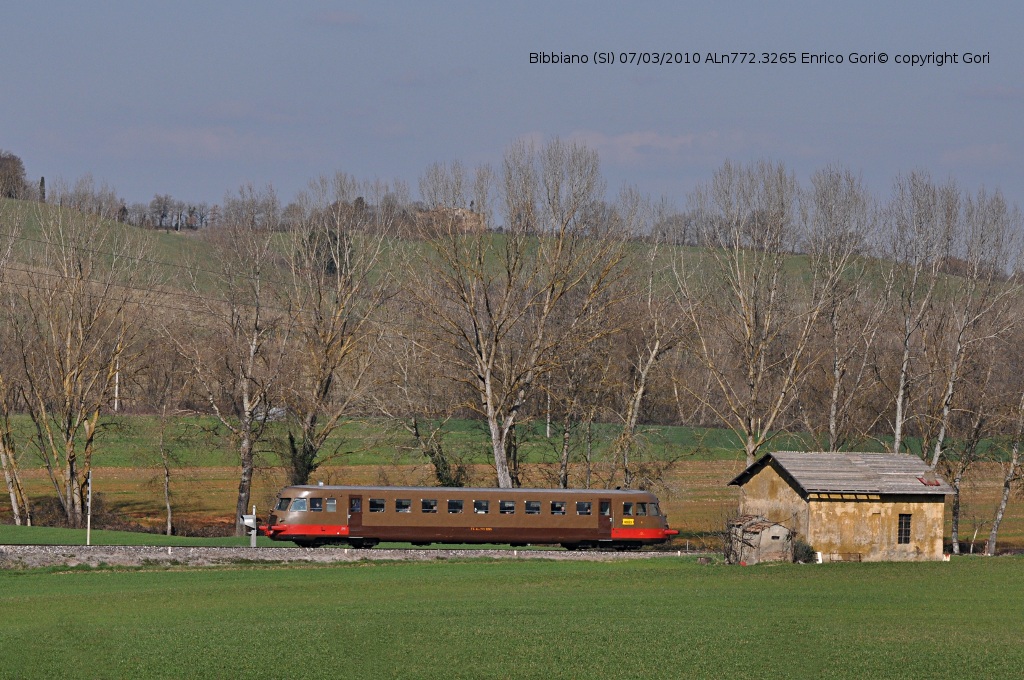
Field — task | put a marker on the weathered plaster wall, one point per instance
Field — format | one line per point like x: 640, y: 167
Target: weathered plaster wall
x: 767, y: 493
x: 869, y: 527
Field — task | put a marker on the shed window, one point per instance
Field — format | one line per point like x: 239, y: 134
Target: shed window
x: 606, y: 508
x: 507, y: 507
x: 403, y: 505
x: 627, y: 509
x: 481, y: 507
x: 282, y: 504
x: 582, y: 507
x: 903, y: 530
x: 332, y: 505
x: 532, y: 507
x: 300, y: 505
x: 376, y: 505
x: 429, y: 505
x: 316, y: 504
x: 557, y: 507
x: 454, y: 506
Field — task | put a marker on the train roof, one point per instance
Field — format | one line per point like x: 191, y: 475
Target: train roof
x: 466, y: 489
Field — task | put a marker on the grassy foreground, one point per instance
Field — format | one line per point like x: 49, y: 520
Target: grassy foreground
x: 536, y: 619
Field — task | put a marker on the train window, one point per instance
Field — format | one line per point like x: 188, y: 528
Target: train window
x: 355, y: 504
x: 507, y: 507
x: 332, y: 505
x: 481, y: 507
x: 532, y: 507
x: 403, y: 505
x: 653, y: 509
x: 454, y: 507
x: 557, y: 507
x: 316, y: 504
x: 582, y: 507
x: 606, y: 508
x: 429, y: 505
x: 641, y: 509
x: 300, y: 505
x: 282, y: 504
x: 376, y: 505
x: 627, y: 509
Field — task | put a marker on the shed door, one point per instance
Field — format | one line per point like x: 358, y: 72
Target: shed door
x: 355, y: 514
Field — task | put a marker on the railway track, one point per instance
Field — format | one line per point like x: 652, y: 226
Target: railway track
x: 33, y: 556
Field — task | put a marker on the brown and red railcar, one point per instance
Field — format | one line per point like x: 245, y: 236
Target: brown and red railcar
x: 362, y: 516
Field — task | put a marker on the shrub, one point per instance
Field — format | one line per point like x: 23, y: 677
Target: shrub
x: 802, y: 552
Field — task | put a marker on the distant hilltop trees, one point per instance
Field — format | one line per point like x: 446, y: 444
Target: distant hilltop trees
x: 12, y: 176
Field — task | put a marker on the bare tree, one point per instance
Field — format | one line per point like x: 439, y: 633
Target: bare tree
x: 340, y: 279
x: 20, y: 504
x: 1013, y: 475
x: 920, y: 221
x: 841, y: 225
x: 752, y: 305
x: 160, y: 209
x: 75, y: 324
x: 493, y: 299
x: 413, y: 397
x: 976, y: 296
x: 652, y: 324
x: 236, y: 350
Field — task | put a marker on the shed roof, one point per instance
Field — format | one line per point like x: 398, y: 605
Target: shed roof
x: 880, y: 473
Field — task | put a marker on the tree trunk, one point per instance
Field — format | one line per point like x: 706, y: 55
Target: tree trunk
x: 1011, y: 474
x: 563, y: 463
x: 901, y: 396
x: 13, y: 483
x: 498, y: 449
x: 167, y: 498
x: 955, y: 532
x: 590, y: 448
x: 244, y: 484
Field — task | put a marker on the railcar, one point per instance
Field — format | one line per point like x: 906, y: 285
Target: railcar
x: 362, y: 516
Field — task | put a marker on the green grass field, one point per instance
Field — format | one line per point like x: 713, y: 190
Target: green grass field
x: 666, y: 618
x: 199, y: 441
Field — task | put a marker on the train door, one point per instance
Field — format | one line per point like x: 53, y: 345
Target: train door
x: 604, y: 517
x: 355, y: 514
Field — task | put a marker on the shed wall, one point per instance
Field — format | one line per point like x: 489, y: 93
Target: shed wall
x: 869, y: 527
x: 770, y: 495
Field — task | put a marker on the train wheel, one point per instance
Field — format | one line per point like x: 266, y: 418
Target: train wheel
x: 571, y: 546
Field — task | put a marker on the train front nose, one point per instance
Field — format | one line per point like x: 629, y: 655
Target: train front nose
x: 273, y: 527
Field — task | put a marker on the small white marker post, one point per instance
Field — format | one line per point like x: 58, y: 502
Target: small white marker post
x: 252, y: 523
x: 88, y: 516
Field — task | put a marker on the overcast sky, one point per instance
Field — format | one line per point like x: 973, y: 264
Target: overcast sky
x: 196, y: 98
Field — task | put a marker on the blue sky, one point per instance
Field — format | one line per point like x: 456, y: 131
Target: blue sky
x: 195, y: 99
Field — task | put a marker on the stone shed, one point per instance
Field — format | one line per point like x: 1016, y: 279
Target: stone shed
x: 850, y: 506
x: 753, y: 539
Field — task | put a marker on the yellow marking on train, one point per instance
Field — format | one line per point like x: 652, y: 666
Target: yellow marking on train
x: 627, y: 522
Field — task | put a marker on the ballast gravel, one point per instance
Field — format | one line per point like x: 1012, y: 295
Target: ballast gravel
x: 35, y: 556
